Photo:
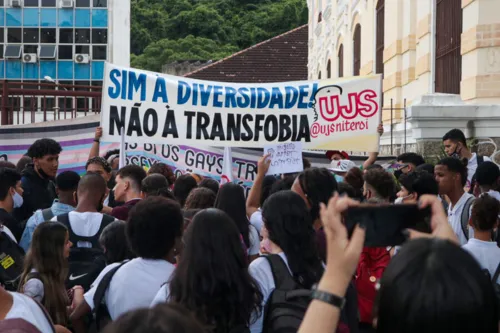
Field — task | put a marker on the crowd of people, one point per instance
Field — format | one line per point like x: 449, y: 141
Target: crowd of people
x: 125, y: 250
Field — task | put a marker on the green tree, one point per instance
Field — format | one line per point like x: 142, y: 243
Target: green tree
x: 166, y: 51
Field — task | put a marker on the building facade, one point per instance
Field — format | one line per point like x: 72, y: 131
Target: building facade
x: 66, y: 40
x: 420, y: 47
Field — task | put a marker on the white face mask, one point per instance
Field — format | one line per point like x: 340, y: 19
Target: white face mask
x: 399, y: 201
x: 18, y: 199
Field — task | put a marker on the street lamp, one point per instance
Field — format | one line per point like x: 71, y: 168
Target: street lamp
x: 51, y: 80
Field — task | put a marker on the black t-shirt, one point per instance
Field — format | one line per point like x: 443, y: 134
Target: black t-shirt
x: 10, y: 222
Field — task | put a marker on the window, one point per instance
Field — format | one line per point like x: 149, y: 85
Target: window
x: 14, y: 35
x: 65, y: 52
x: 82, y: 3
x: 449, y: 23
x: 379, y: 61
x: 101, y: 3
x: 341, y: 61
x: 66, y: 36
x: 99, y: 36
x: 1, y: 51
x: 82, y: 36
x: 357, y: 50
x: 30, y: 3
x: 320, y: 17
x: 99, y: 52
x: 48, y: 3
x: 48, y: 51
x: 82, y: 49
x: 319, y: 76
x: 48, y: 36
x: 30, y: 35
x: 329, y: 69
x: 30, y: 48
x: 1, y: 35
x: 13, y: 51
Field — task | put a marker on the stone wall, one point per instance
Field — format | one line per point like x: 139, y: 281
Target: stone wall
x: 431, y: 116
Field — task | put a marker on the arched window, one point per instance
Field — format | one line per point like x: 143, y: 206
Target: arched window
x: 319, y: 76
x: 448, y: 43
x: 357, y: 50
x: 320, y: 17
x: 379, y: 58
x: 341, y: 61
x: 329, y: 69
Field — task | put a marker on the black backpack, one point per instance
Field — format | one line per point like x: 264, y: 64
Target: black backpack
x: 11, y: 262
x: 85, y: 264
x: 100, y: 314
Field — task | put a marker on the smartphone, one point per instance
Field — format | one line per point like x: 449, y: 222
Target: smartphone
x: 385, y: 223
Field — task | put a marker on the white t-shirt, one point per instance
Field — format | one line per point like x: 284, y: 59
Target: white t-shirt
x: 84, y: 224
x: 487, y: 254
x: 34, y: 288
x: 133, y: 286
x: 455, y: 218
x: 253, y: 237
x: 472, y: 167
x: 9, y: 233
x: 256, y: 220
x: 25, y: 308
x: 261, y: 271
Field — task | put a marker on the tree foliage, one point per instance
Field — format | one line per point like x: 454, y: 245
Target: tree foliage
x: 167, y: 30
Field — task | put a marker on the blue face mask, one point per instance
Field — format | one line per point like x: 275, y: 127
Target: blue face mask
x: 339, y: 179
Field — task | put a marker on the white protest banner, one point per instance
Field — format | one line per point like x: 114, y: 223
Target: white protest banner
x: 157, y: 108
x: 285, y: 158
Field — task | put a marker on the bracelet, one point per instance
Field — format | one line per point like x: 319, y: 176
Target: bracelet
x: 326, y: 297
x: 97, y: 140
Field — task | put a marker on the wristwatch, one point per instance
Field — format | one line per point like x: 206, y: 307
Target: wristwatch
x: 326, y: 297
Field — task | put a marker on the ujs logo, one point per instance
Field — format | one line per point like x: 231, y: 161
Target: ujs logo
x: 342, y: 112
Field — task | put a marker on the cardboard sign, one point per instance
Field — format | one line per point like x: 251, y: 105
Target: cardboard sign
x: 285, y: 158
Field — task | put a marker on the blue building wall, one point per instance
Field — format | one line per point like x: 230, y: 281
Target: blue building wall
x: 82, y: 29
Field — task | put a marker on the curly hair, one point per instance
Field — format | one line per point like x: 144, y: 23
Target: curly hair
x: 200, y: 198
x: 164, y: 170
x: 100, y: 161
x: 44, y: 147
x: 381, y: 182
x: 110, y: 153
x: 485, y: 212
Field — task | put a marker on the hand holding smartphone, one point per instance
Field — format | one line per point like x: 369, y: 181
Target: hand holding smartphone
x: 385, y: 223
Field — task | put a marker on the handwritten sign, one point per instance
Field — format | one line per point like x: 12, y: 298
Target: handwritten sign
x: 285, y: 158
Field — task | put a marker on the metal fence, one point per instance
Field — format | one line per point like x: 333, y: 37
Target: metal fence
x: 31, y: 102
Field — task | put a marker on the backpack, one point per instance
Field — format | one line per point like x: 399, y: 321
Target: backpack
x: 371, y: 266
x: 473, y: 181
x: 100, y: 314
x: 85, y: 264
x: 494, y: 281
x: 47, y: 214
x: 464, y: 218
x: 11, y: 262
x: 288, y: 303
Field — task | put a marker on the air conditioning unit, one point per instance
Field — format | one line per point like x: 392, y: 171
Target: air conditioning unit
x: 67, y: 4
x: 81, y: 58
x: 16, y: 3
x: 29, y: 58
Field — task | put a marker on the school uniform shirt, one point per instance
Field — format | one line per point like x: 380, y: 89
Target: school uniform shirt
x: 455, y: 218
x: 34, y: 288
x: 25, y: 308
x: 472, y: 167
x: 256, y: 220
x: 254, y: 238
x: 487, y: 254
x: 85, y: 224
x: 261, y: 271
x: 133, y: 286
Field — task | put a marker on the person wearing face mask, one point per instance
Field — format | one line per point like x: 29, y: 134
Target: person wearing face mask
x: 85, y: 225
x: 37, y: 178
x: 10, y: 197
x: 409, y: 163
x: 414, y: 185
x: 455, y: 145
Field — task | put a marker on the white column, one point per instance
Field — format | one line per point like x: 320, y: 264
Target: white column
x: 119, y: 32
